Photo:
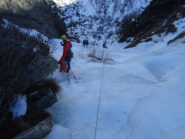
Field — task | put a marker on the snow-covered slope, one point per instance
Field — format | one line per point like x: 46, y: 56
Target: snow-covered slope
x: 142, y: 92
x: 141, y: 89
x: 97, y: 19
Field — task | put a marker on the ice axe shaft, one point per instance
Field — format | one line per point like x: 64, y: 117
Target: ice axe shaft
x: 68, y: 78
x: 73, y: 74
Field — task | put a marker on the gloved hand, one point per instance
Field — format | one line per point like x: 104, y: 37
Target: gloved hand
x: 62, y: 43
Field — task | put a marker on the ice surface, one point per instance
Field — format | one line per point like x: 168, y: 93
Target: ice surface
x: 142, y: 89
x: 59, y: 132
x: 142, y: 92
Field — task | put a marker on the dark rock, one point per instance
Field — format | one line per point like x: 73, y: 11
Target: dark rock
x: 36, y: 14
x: 37, y: 132
x: 24, y: 68
x: 43, y: 66
x: 46, y: 100
x: 35, y: 124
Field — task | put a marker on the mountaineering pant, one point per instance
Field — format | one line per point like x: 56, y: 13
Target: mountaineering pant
x: 68, y: 65
x: 65, y: 66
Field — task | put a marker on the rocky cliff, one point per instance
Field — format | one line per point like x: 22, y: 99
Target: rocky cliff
x: 157, y: 18
x: 35, y: 14
x: 25, y: 59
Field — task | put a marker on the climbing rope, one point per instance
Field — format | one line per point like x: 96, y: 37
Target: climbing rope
x: 99, y: 100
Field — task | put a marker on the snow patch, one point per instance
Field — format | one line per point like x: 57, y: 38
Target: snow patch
x: 56, y: 48
x: 30, y: 32
x: 180, y: 24
x: 18, y: 107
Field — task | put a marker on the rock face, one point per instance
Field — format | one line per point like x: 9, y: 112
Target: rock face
x: 46, y: 100
x: 31, y: 60
x: 26, y: 60
x: 43, y: 66
x: 33, y: 14
x: 29, y: 63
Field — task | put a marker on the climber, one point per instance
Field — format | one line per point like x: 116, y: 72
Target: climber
x: 85, y: 43
x: 104, y: 44
x: 65, y: 60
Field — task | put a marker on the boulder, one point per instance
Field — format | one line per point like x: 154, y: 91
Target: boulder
x: 46, y: 100
x: 38, y: 131
x: 39, y: 69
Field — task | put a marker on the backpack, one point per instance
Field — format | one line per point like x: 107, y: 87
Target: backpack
x: 69, y: 53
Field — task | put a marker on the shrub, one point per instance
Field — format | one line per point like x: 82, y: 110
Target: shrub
x: 100, y: 56
x: 127, y: 29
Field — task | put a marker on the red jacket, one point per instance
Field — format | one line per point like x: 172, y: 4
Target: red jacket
x: 65, y: 50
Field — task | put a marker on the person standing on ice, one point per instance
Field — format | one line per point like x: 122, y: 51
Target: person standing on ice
x: 104, y: 44
x: 85, y: 42
x: 67, y: 55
